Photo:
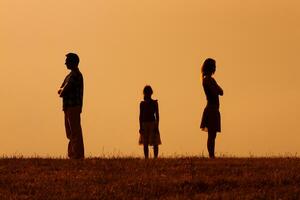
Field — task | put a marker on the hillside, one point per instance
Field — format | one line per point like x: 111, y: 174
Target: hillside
x: 165, y: 178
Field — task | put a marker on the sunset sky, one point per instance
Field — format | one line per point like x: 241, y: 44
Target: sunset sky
x: 124, y: 45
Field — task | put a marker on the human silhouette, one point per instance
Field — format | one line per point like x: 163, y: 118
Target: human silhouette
x: 71, y: 92
x: 211, y: 118
x: 149, y: 121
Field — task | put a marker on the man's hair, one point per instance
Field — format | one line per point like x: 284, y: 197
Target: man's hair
x: 73, y: 58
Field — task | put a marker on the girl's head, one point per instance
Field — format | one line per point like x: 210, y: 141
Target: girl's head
x: 147, y: 92
x: 208, y: 67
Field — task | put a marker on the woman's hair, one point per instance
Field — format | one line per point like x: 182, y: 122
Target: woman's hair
x: 208, y: 67
x: 147, y: 91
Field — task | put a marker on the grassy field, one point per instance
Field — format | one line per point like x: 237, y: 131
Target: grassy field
x: 165, y: 178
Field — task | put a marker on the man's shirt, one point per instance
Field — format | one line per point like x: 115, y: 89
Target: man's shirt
x: 72, y: 89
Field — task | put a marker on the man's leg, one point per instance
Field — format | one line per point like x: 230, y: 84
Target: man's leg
x: 68, y: 134
x: 76, y: 132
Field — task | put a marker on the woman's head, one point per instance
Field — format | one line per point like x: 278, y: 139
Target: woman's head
x: 208, y: 67
x: 147, y: 91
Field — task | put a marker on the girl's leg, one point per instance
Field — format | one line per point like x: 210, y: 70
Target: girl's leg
x: 211, y: 143
x: 155, y: 149
x: 146, y: 151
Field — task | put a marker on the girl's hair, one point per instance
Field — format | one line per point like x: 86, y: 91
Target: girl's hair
x: 208, y: 67
x: 148, y: 91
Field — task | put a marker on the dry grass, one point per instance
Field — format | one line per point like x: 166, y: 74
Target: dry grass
x: 166, y: 178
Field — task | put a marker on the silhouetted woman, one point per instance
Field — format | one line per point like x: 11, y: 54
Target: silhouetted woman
x: 149, y: 120
x: 211, y: 119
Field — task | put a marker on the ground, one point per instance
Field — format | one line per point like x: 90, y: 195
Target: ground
x: 135, y: 178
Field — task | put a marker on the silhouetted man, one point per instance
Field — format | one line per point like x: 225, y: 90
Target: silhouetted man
x: 72, y: 93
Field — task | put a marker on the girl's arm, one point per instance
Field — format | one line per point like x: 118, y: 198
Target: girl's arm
x: 157, y: 113
x: 140, y: 118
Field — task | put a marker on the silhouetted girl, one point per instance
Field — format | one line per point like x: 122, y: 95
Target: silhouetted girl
x: 211, y: 119
x: 149, y: 119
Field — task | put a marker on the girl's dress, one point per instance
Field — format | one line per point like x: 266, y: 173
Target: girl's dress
x: 150, y: 134
x: 211, y: 118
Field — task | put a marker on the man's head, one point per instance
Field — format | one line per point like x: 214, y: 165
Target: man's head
x: 72, y: 61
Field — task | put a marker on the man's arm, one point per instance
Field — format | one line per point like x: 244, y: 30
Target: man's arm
x: 66, y: 86
x: 61, y: 87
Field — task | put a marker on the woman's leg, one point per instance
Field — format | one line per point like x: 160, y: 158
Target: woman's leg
x: 211, y: 143
x: 146, y: 151
x: 155, y: 149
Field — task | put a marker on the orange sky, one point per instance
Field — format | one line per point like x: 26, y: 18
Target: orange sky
x: 126, y: 44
